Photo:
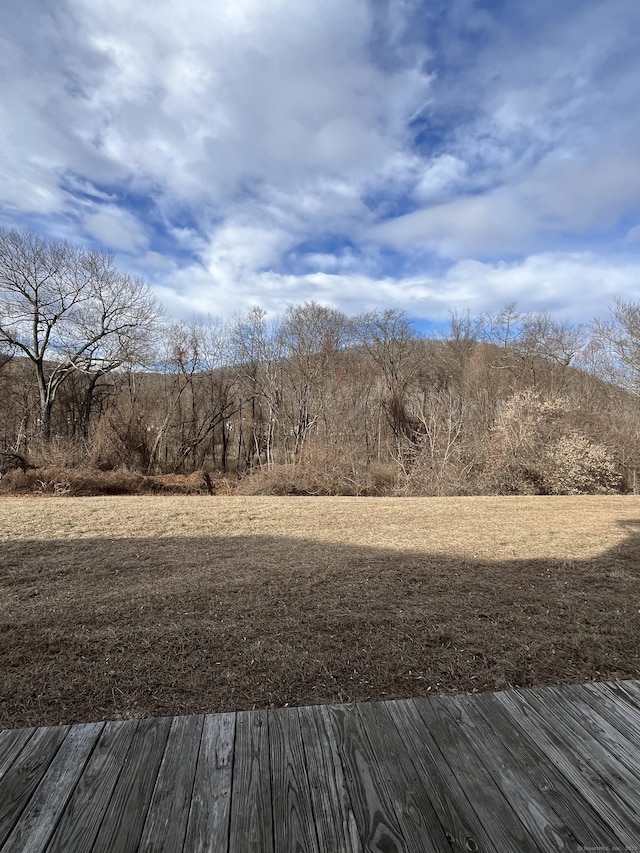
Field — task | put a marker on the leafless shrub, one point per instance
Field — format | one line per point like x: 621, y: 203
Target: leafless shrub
x: 577, y: 466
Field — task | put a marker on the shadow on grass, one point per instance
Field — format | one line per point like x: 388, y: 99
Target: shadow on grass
x: 101, y: 629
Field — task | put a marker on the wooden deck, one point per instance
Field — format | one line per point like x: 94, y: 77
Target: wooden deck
x: 549, y: 769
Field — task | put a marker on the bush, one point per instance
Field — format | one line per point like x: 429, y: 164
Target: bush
x: 577, y: 466
x: 83, y: 482
x: 308, y: 478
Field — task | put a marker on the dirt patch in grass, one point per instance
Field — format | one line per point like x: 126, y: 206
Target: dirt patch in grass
x: 119, y: 607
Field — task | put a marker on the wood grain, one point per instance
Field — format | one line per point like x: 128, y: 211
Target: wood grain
x: 122, y: 825
x: 12, y: 741
x: 545, y: 826
x: 81, y: 819
x: 546, y: 769
x: 418, y: 819
x: 462, y: 826
x: 43, y: 811
x: 208, y: 826
x: 335, y: 821
x: 166, y: 824
x: 377, y: 820
x: 490, y: 804
x: 293, y: 818
x: 23, y: 776
x: 251, y: 827
x: 566, y: 800
x: 574, y: 759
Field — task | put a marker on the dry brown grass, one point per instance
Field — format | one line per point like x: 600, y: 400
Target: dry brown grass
x: 113, y: 607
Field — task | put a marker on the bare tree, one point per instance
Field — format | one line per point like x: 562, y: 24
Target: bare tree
x: 618, y: 340
x: 390, y: 340
x: 69, y: 309
x: 310, y: 335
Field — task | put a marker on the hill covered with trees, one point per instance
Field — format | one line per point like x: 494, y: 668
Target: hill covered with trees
x: 311, y: 402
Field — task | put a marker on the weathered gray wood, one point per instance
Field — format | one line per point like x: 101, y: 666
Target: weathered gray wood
x: 166, y: 824
x: 208, y: 827
x: 608, y: 749
x: 623, y: 691
x: 573, y: 760
x: 293, y: 818
x: 495, y: 812
x: 23, y: 776
x: 547, y: 769
x: 617, y: 714
x: 335, y: 820
x: 418, y: 820
x: 251, y: 826
x: 546, y: 828
x: 12, y: 742
x: 459, y: 821
x: 579, y: 815
x: 38, y: 820
x: 620, y: 713
x: 122, y: 824
x: 377, y: 821
x: 85, y: 810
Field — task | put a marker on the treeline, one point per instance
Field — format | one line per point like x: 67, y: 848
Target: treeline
x: 310, y: 402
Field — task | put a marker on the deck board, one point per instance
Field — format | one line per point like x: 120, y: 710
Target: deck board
x: 251, y: 825
x: 337, y: 830
x: 23, y: 777
x: 494, y: 809
x: 374, y: 808
x: 208, y: 826
x: 121, y: 828
x: 38, y: 820
x: 553, y: 786
x: 293, y: 817
x: 460, y: 822
x: 545, y: 769
x: 549, y: 831
x: 573, y: 760
x: 80, y: 823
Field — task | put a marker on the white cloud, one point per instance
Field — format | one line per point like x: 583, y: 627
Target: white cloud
x: 559, y: 196
x: 116, y: 229
x: 574, y: 286
x: 442, y: 176
x: 252, y: 126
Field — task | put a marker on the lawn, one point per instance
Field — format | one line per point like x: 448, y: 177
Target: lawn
x: 130, y: 606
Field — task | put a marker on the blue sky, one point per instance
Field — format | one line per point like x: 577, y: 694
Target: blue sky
x: 427, y: 156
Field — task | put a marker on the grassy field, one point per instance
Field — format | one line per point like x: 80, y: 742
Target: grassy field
x: 120, y: 607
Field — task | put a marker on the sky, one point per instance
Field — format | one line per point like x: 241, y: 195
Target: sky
x: 428, y: 156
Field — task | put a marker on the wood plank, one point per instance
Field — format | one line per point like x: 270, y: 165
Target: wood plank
x: 122, y: 825
x: 608, y: 749
x: 620, y: 689
x: 377, y: 821
x: 12, y: 742
x: 293, y: 818
x: 38, y: 820
x: 251, y: 825
x: 459, y: 821
x: 83, y: 814
x: 418, y: 819
x: 335, y: 821
x: 578, y: 814
x: 573, y: 761
x: 545, y: 826
x: 630, y: 690
x: 488, y: 801
x: 618, y: 714
x: 208, y: 826
x: 24, y: 775
x: 166, y: 824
